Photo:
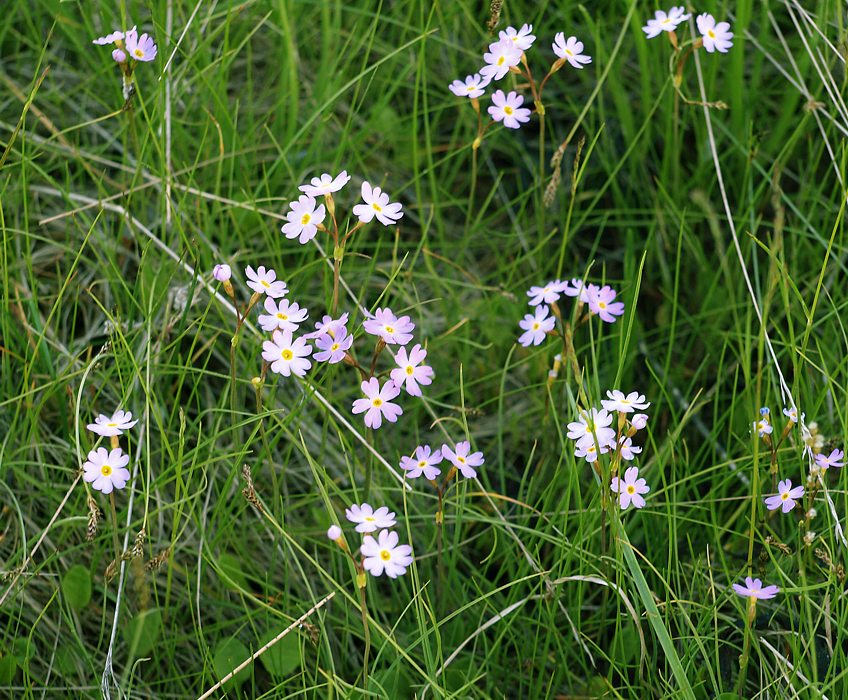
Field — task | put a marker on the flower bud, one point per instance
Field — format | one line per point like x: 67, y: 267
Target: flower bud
x: 119, y: 56
x: 222, y: 272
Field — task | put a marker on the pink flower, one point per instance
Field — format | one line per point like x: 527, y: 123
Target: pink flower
x: 287, y: 356
x: 630, y: 489
x: 786, y: 496
x: 628, y: 449
x: 473, y: 86
x: 549, y: 293
x: 753, y: 588
x: 326, y: 184
x: 265, y: 282
x: 106, y: 471
x: 502, y: 56
x: 119, y: 55
x: 832, y: 460
x: 424, y: 462
x: 522, y: 38
x: 392, y: 329
x: 601, y: 303
x: 222, y: 272
x: 377, y: 403
x: 462, y: 460
x: 410, y: 372
x: 368, y: 519
x: 109, y: 38
x: 536, y: 326
x: 663, y: 22
x: 570, y: 50
x: 141, y: 48
x: 716, y: 37
x: 282, y: 315
x: 385, y: 555
x: 329, y: 326
x: 639, y: 421
x: 590, y: 426
x: 376, y: 203
x: 304, y: 217
x: 333, y: 349
x: 508, y: 109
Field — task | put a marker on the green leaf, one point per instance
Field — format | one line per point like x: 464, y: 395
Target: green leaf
x: 143, y: 632
x: 391, y: 683
x: 229, y: 654
x: 8, y: 669
x: 76, y: 586
x: 232, y: 572
x: 282, y: 658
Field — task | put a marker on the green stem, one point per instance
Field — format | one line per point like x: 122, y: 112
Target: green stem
x: 114, y: 514
x: 363, y: 607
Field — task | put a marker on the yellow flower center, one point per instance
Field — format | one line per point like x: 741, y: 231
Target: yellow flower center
x: 508, y: 110
x: 376, y: 403
x: 711, y: 34
x: 282, y: 316
x: 370, y: 518
x: 105, y: 470
x: 422, y: 464
x: 390, y: 329
x: 334, y: 347
x: 602, y: 305
x: 501, y: 61
x: 784, y: 496
x: 385, y: 555
x: 305, y: 219
x: 410, y: 370
x: 376, y: 207
x: 287, y: 354
x: 631, y: 489
x: 264, y: 284
x: 536, y: 326
x: 139, y: 53
x: 111, y: 425
x: 461, y: 460
x: 569, y: 52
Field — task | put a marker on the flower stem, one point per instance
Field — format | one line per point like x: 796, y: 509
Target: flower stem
x: 363, y: 607
x: 114, y: 514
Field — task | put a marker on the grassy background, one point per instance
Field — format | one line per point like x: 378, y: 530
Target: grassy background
x: 102, y: 211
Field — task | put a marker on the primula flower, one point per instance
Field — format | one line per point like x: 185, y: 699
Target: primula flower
x: 792, y: 414
x: 106, y: 471
x: 589, y: 452
x: 424, y: 462
x: 625, y: 404
x: 334, y: 532
x: 115, y: 424
x: 786, y: 496
x: 521, y: 38
x: 409, y: 372
x: 119, y: 55
x: 639, y: 421
x: 832, y: 460
x: 473, y: 87
x: 536, y: 326
x: 508, y: 109
x: 287, y: 356
x: 502, y: 56
x: 763, y: 427
x: 392, y: 329
x: 282, y: 315
x: 716, y: 37
x: 265, y: 282
x: 549, y: 293
x: 377, y: 403
x: 462, y: 460
x: 222, y: 272
x: 377, y: 204
x: 663, y: 22
x: 326, y: 184
x: 329, y: 326
x: 630, y: 489
x: 141, y: 48
x: 591, y: 425
x: 753, y: 588
x: 601, y: 303
x: 628, y: 449
x: 368, y: 519
x: 333, y: 348
x: 109, y: 38
x: 385, y: 555
x: 303, y: 219
x: 570, y: 50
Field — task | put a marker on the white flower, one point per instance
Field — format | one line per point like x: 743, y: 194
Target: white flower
x: 570, y: 50
x: 265, y: 282
x: 630, y: 489
x: 222, y: 272
x: 628, y: 449
x: 663, y: 22
x: 716, y: 37
x: 326, y: 184
x: 377, y: 204
x: 763, y: 427
x: 625, y: 404
x: 589, y: 452
x: 109, y: 38
x: 303, y: 219
x: 474, y: 86
x: 521, y: 38
x: 536, y: 326
x: 549, y: 293
x: 385, y: 555
x: 792, y: 414
x: 283, y: 315
x: 369, y: 520
x: 639, y: 421
x: 106, y: 471
x: 287, y: 356
x: 508, y: 109
x: 502, y: 56
x: 115, y: 424
x: 591, y: 425
x: 334, y: 532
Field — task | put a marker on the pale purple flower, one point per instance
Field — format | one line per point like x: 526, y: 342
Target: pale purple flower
x: 625, y: 404
x: 385, y: 555
x: 716, y: 37
x: 109, y: 38
x: 522, y: 38
x: 424, y: 462
x: 222, y: 272
x: 392, y: 329
x: 763, y: 427
x: 119, y: 55
x: 792, y: 414
x: 570, y: 50
x: 286, y: 355
x: 378, y: 403
x: 334, y: 532
x: 590, y: 426
x: 549, y: 293
x: 628, y: 449
x: 472, y: 87
x: 639, y: 421
x: 329, y: 326
x: 786, y: 496
x: 333, y: 348
x: 326, y: 184
x: 462, y: 460
x: 663, y: 22
x: 753, y: 588
x: 377, y: 204
x: 409, y: 372
x: 141, y: 48
x: 265, y: 282
x: 368, y: 519
x: 303, y: 219
x: 834, y: 459
x: 536, y: 326
x: 116, y: 424
x: 508, y: 109
x: 282, y: 315
x: 106, y: 470
x: 501, y: 56
x: 589, y: 452
x: 601, y: 303
x: 630, y: 489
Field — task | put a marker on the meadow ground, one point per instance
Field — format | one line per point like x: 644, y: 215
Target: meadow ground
x: 721, y: 231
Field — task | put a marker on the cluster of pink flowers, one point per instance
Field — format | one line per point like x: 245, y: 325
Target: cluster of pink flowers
x: 129, y: 46
x: 425, y: 461
x: 106, y: 470
x: 715, y: 36
x: 507, y: 56
x: 593, y: 436
x: 600, y: 302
